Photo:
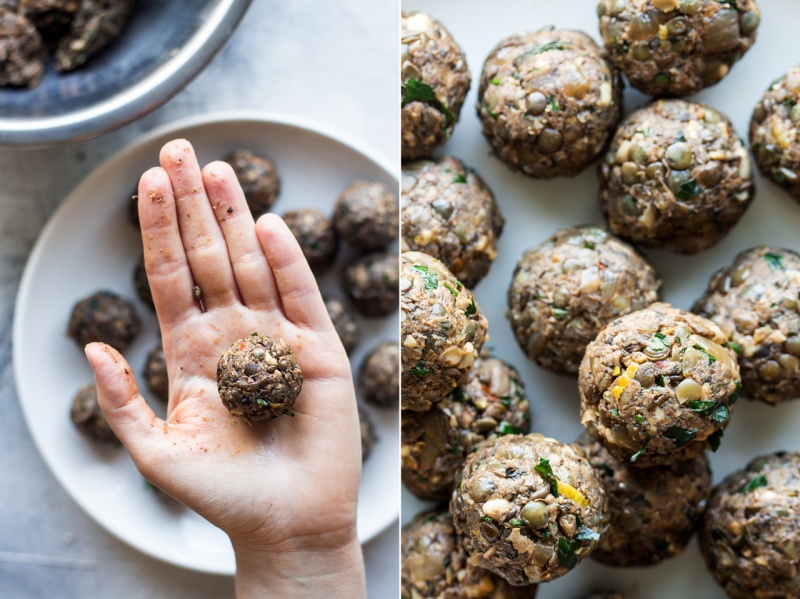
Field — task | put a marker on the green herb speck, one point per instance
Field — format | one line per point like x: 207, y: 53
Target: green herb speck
x: 753, y: 484
x: 429, y: 278
x: 546, y: 471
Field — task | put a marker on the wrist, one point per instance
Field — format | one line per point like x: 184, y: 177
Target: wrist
x: 296, y: 572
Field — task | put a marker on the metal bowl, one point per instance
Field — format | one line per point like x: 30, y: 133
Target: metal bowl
x: 166, y: 44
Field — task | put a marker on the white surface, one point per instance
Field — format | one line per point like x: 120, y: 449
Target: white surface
x: 535, y: 209
x: 89, y: 245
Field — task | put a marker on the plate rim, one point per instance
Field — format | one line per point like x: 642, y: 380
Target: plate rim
x: 113, y: 162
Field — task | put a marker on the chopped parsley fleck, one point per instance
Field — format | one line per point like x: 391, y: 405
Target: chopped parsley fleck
x: 507, y: 429
x: 566, y: 555
x: 775, y: 261
x: 420, y: 369
x: 681, y: 436
x: 702, y: 406
x: 753, y: 484
x: 700, y: 348
x: 546, y: 471
x: 614, y: 413
x: 639, y: 418
x: 689, y: 189
x: 486, y: 519
x: 636, y: 455
x: 451, y: 290
x: 589, y: 245
x: 715, y: 440
x: 660, y: 380
x: 429, y: 278
x: 737, y: 390
x: 560, y: 313
x: 262, y: 403
x: 736, y: 347
x: 681, y: 136
x: 678, y: 341
x: 515, y: 522
x: 415, y: 90
x: 722, y: 414
x: 459, y: 178
x: 548, y: 47
x: 658, y: 342
x: 553, y: 103
x: 471, y: 309
x: 661, y: 78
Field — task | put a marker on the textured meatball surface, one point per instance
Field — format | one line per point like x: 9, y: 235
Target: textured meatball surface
x: 371, y: 282
x: 89, y: 419
x: 442, y: 331
x: 258, y: 177
x: 316, y: 236
x: 258, y: 378
x: 548, y: 102
x: 658, y: 386
x: 104, y: 317
x: 365, y: 216
x: 566, y: 289
x: 754, y: 301
x: 677, y: 47
x: 449, y: 212
x: 379, y: 376
x: 344, y: 321
x: 676, y: 177
x: 155, y: 373
x: 528, y: 507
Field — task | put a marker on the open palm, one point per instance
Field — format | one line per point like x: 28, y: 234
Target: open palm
x: 285, y: 484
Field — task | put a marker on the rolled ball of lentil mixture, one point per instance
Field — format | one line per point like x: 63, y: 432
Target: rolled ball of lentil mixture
x: 435, y: 81
x: 755, y: 301
x: 366, y: 216
x: 104, y: 317
x: 442, y: 331
x: 549, y: 102
x: 379, y: 377
x: 258, y: 378
x: 315, y: 235
x: 371, y: 283
x: 528, y: 508
x: 775, y: 133
x: 435, y: 566
x: 677, y: 47
x: 489, y: 402
x: 750, y: 533
x: 676, y: 177
x: 258, y: 177
x: 652, y: 511
x: 89, y: 419
x: 449, y: 212
x: 658, y: 386
x: 344, y: 321
x: 566, y: 289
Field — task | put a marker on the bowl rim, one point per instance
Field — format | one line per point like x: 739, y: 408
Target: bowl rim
x: 133, y: 102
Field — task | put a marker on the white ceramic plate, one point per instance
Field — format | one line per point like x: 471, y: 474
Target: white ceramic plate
x: 535, y: 209
x: 89, y: 245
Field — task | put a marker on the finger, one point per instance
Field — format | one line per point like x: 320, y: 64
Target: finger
x: 299, y: 294
x: 250, y: 268
x: 167, y: 267
x: 202, y: 239
x: 127, y: 412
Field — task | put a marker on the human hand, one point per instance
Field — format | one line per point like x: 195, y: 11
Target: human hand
x: 284, y: 490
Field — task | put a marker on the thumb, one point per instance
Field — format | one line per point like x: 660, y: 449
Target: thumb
x: 126, y: 410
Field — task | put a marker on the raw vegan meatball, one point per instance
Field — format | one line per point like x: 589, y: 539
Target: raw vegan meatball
x: 142, y: 284
x: 155, y: 373
x: 442, y: 331
x: 365, y: 216
x: 529, y: 508
x: 371, y: 282
x: 379, y: 377
x: 368, y: 437
x: 652, y: 511
x: 450, y: 213
x: 565, y: 290
x: 258, y: 177
x: 658, y: 386
x: 750, y: 533
x: 314, y: 232
x: 754, y: 301
x: 676, y: 177
x: 677, y: 47
x: 95, y: 25
x: 435, y: 80
x: 105, y: 317
x: 490, y: 401
x: 549, y: 102
x: 89, y: 419
x: 344, y: 321
x: 21, y: 47
x: 258, y: 378
x: 435, y: 566
x: 775, y: 133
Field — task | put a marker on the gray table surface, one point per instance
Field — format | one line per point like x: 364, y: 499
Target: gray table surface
x: 333, y: 62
